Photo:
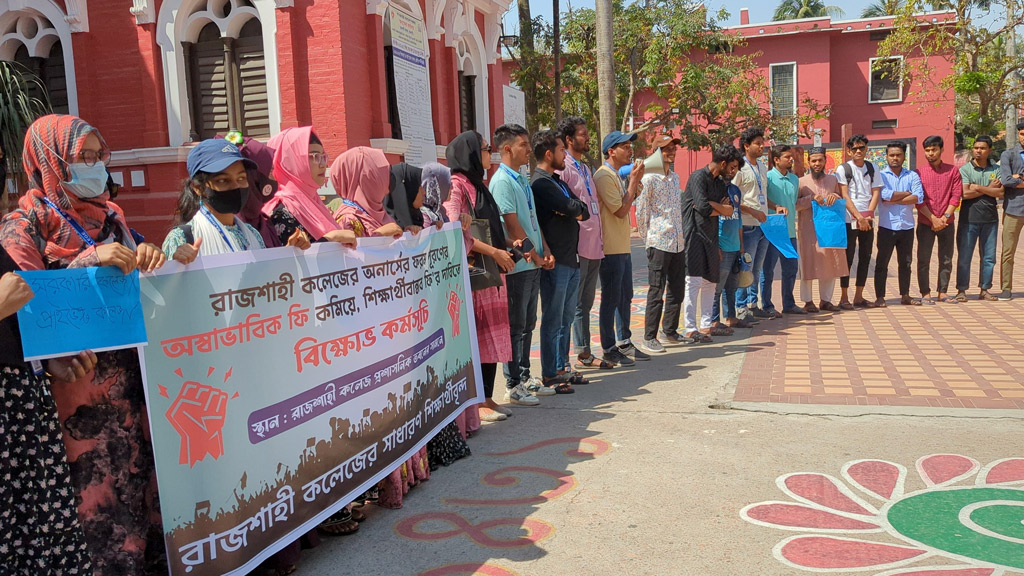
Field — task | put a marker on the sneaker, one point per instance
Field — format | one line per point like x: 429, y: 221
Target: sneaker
x: 536, y: 387
x: 520, y: 396
x: 1005, y: 296
x: 673, y: 338
x: 616, y: 357
x: 653, y: 346
x: 630, y: 350
x: 758, y: 313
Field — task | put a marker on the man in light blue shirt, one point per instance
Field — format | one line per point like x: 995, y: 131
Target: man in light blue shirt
x: 901, y: 191
x: 783, y: 187
x: 512, y: 193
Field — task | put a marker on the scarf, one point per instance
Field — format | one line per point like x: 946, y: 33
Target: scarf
x: 361, y: 175
x: 463, y: 155
x: 296, y: 188
x: 437, y: 182
x: 404, y: 188
x: 260, y: 181
x: 216, y: 238
x: 35, y: 235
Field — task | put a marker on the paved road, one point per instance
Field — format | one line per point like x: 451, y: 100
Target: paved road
x: 675, y: 466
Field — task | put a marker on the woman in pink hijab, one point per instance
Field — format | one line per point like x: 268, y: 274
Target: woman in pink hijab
x: 300, y: 168
x: 362, y: 178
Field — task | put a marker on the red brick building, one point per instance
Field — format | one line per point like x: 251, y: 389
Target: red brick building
x: 156, y: 75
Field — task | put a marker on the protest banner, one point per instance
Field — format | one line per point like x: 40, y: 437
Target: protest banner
x: 77, y: 309
x: 776, y: 231
x: 282, y: 384
x: 830, y: 224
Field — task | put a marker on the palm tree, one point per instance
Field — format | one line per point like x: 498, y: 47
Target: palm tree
x: 796, y: 9
x: 880, y: 8
x: 19, y: 107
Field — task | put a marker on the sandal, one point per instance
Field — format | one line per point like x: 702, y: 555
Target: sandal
x: 908, y: 301
x: 962, y: 296
x: 810, y: 308
x: 988, y: 296
x: 880, y: 303
x: 951, y: 300
x: 561, y: 387
x: 575, y: 377
x: 339, y: 524
x: 719, y: 331
x: 589, y: 363
x: 830, y: 307
x: 357, y: 514
x: 698, y: 338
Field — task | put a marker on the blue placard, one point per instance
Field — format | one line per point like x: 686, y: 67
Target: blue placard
x: 777, y: 232
x: 78, y: 309
x: 830, y: 224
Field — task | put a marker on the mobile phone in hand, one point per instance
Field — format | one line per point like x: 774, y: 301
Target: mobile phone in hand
x: 527, y: 245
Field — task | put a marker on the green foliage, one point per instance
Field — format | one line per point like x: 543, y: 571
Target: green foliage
x: 677, y: 52
x: 797, y: 9
x: 880, y: 8
x: 984, y: 78
x: 18, y: 109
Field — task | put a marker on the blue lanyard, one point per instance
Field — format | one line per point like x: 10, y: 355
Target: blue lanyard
x: 757, y: 175
x: 353, y: 204
x: 220, y: 229
x: 78, y: 227
x: 565, y: 189
x: 525, y: 189
x: 586, y: 175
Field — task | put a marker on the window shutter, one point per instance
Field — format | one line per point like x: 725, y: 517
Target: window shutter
x: 209, y: 91
x: 252, y: 81
x: 467, y: 101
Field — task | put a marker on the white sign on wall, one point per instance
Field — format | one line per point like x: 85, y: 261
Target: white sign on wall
x: 412, y: 87
x: 515, y: 105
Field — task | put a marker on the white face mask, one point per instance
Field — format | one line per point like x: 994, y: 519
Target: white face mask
x: 87, y: 181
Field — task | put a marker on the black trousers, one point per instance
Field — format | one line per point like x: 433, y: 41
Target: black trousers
x: 489, y: 371
x: 864, y: 239
x: 903, y: 242
x: 664, y: 269
x: 925, y: 242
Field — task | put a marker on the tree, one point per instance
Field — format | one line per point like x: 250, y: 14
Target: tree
x: 675, y: 68
x: 529, y: 56
x: 880, y: 8
x: 19, y: 107
x: 604, y: 17
x: 983, y: 75
x: 796, y: 9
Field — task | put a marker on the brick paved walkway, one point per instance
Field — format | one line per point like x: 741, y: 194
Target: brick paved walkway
x: 968, y: 355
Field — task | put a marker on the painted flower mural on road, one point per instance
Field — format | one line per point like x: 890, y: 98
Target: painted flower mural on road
x: 968, y: 520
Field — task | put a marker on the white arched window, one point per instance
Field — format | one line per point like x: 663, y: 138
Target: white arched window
x: 473, y: 95
x: 40, y: 39
x: 220, y: 66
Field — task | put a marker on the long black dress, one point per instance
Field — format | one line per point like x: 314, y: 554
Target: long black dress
x: 39, y: 528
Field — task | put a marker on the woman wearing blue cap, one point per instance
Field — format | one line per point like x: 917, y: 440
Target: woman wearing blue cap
x: 217, y: 190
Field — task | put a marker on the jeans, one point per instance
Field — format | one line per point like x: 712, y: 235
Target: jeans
x: 903, y: 242
x: 559, y: 289
x: 727, y: 287
x: 616, y: 297
x: 664, y: 268
x: 755, y: 244
x: 523, y: 289
x: 967, y: 236
x: 864, y: 239
x: 589, y: 272
x: 1011, y: 235
x: 925, y: 242
x: 790, y: 267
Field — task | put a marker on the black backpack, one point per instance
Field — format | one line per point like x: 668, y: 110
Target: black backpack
x: 848, y: 171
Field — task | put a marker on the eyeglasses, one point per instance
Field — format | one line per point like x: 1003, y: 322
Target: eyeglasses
x: 320, y: 158
x: 90, y: 157
x: 486, y: 148
x: 860, y: 148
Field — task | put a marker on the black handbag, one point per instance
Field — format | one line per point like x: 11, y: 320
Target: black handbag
x: 484, y: 271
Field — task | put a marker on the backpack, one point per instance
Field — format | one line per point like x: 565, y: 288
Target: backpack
x: 848, y: 172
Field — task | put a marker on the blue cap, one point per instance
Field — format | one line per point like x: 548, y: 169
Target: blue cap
x: 214, y: 155
x: 615, y: 138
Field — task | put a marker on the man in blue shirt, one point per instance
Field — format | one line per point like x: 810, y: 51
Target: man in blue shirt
x: 901, y: 191
x: 783, y: 188
x: 512, y: 192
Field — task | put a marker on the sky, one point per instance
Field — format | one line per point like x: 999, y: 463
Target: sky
x: 760, y: 10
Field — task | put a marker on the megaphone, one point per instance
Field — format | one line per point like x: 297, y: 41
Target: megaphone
x: 653, y: 164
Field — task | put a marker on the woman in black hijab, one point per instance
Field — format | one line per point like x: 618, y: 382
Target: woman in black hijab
x: 406, y: 197
x: 469, y: 158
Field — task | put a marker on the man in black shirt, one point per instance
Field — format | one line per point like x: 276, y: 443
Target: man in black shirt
x: 558, y: 212
x: 704, y: 200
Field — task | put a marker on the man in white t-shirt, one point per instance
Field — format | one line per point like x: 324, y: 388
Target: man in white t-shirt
x: 860, y: 183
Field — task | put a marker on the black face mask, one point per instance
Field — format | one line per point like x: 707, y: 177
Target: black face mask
x: 227, y: 201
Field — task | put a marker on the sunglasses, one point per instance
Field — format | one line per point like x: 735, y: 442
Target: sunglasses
x: 858, y: 148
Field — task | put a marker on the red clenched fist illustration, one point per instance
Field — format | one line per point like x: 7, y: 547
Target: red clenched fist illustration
x: 198, y: 415
x: 455, y: 311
